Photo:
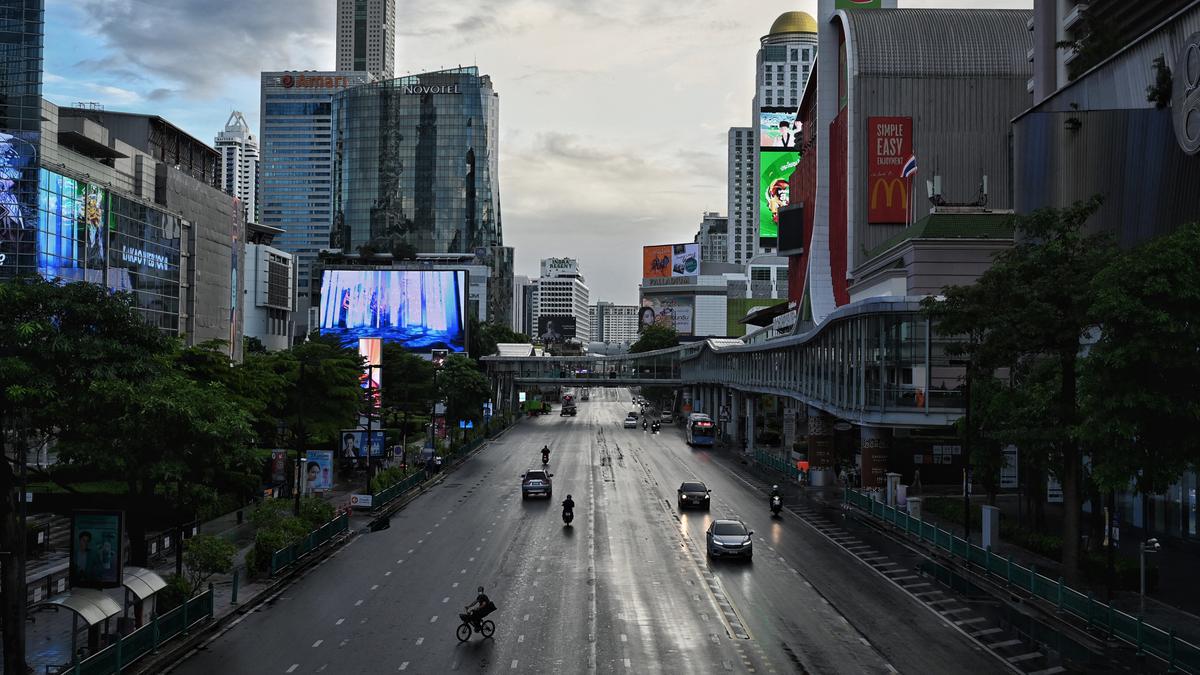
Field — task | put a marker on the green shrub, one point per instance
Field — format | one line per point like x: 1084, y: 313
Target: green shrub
x: 315, y: 512
x: 206, y: 555
x: 173, y: 594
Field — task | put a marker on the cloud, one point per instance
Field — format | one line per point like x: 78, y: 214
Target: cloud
x: 198, y: 44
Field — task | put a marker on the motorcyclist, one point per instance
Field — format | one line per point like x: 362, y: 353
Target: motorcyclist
x: 545, y: 453
x: 774, y: 493
x: 643, y: 424
x: 568, y: 504
x: 476, y: 609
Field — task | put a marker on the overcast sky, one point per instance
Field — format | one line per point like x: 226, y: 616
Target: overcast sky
x: 613, y: 113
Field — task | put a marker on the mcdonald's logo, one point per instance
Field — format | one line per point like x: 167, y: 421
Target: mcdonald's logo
x: 889, y: 186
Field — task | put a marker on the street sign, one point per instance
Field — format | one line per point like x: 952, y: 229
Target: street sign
x: 360, y: 501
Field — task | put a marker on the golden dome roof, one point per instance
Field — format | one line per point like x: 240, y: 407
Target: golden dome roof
x: 794, y: 22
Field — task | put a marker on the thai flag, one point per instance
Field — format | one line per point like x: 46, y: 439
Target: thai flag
x: 910, y: 167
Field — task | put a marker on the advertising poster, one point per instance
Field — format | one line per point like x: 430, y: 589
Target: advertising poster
x: 777, y: 130
x: 419, y: 309
x: 318, y: 471
x: 18, y: 198
x: 278, y: 466
x: 556, y: 328
x: 370, y: 350
x: 656, y: 261
x: 889, y: 145
x: 685, y: 260
x: 355, y: 444
x: 96, y: 549
x: 858, y: 4
x: 775, y: 168
x: 670, y: 311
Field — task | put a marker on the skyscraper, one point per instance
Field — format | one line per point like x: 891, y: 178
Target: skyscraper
x: 366, y: 36
x: 296, y: 188
x: 20, y: 132
x: 742, y: 207
x: 560, y: 303
x: 239, y: 164
x: 713, y: 237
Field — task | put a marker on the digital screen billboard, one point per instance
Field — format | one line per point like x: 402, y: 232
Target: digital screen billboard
x: 671, y: 260
x: 421, y: 310
x: 556, y: 328
x: 775, y: 168
x: 668, y: 310
x: 777, y: 130
x: 18, y: 197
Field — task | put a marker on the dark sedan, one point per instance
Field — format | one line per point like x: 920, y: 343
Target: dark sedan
x: 694, y: 494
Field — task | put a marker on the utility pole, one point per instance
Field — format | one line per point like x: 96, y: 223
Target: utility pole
x: 298, y: 432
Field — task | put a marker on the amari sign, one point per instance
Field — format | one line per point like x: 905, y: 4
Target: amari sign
x: 302, y: 81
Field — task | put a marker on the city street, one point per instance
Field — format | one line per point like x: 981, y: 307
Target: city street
x: 626, y: 589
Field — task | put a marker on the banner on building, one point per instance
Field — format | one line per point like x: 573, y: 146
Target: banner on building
x: 556, y: 328
x: 672, y: 311
x: 858, y: 4
x: 670, y: 260
x: 774, y: 190
x: 889, y: 145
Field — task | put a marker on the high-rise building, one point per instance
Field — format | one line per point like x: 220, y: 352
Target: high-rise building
x: 239, y: 163
x: 269, y: 285
x: 614, y: 323
x: 785, y: 60
x: 713, y: 237
x: 295, y: 185
x: 522, y: 302
x: 742, y: 222
x: 20, y: 132
x: 560, y: 303
x: 416, y: 172
x: 366, y: 36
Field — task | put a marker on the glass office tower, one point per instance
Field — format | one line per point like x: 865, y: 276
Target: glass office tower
x: 415, y: 164
x: 20, y: 132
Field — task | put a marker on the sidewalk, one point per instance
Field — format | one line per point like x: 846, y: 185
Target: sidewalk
x: 1175, y: 604
x: 48, y: 634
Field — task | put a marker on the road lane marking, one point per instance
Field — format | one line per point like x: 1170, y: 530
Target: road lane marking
x: 454, y: 585
x: 464, y: 571
x: 375, y: 587
x: 628, y: 664
x: 387, y: 573
x: 420, y: 541
x: 526, y: 618
x: 472, y: 559
x: 520, y: 638
x: 864, y: 641
x: 404, y: 666
x: 358, y: 603
x: 514, y: 665
x: 293, y: 668
x: 433, y: 619
x: 343, y: 643
x: 420, y: 640
x: 339, y: 622
x: 317, y: 643
x: 1006, y: 643
x: 445, y: 599
x: 624, y: 638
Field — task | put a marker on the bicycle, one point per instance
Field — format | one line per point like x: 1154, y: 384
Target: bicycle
x: 466, y: 628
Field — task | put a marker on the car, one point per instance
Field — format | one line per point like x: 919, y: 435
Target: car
x: 536, y: 483
x: 693, y: 493
x: 729, y: 539
x: 567, y: 409
x: 630, y: 421
x: 667, y: 417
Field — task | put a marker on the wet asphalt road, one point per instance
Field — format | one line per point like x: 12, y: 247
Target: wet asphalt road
x: 627, y: 588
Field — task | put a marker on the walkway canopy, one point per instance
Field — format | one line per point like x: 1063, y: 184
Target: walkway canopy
x: 142, y: 582
x: 91, y: 605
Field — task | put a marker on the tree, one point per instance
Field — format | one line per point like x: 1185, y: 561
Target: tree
x: 252, y: 345
x: 408, y: 389
x: 1141, y: 380
x: 464, y: 389
x: 59, y: 342
x: 1034, y: 305
x: 485, y: 336
x: 206, y: 555
x: 655, y: 337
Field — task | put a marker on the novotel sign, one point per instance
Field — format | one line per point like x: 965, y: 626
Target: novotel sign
x: 429, y: 89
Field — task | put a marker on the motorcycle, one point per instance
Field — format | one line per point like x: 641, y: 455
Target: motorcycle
x: 545, y: 460
x: 654, y: 428
x: 643, y: 425
x: 776, y: 505
x: 568, y: 516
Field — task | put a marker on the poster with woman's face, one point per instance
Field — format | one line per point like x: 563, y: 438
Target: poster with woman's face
x: 318, y: 471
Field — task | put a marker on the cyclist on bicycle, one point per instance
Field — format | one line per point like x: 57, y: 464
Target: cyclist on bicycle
x: 477, y: 609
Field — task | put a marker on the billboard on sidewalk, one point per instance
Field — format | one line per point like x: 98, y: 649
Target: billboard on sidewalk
x: 355, y: 444
x: 97, y: 549
x: 318, y: 471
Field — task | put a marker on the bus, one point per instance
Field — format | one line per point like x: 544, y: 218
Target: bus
x: 700, y: 429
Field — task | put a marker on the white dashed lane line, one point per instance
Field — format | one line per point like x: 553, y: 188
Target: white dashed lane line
x: 317, y: 643
x: 293, y: 668
x: 420, y: 640
x: 338, y: 622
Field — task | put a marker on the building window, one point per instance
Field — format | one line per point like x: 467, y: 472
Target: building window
x: 805, y: 54
x: 794, y: 52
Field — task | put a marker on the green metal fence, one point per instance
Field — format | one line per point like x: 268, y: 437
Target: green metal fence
x: 777, y: 462
x: 315, y: 539
x: 1099, y: 615
x: 126, y: 650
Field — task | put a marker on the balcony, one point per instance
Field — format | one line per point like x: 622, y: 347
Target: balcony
x: 1074, y: 16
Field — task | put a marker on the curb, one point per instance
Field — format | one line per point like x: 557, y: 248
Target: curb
x: 174, y: 654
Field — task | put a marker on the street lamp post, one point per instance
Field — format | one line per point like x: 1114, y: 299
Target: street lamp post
x: 1148, y: 546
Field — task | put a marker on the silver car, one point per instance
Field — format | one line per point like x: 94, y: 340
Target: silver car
x: 729, y: 539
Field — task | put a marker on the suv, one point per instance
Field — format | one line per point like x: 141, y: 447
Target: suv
x: 536, y: 482
x: 567, y: 409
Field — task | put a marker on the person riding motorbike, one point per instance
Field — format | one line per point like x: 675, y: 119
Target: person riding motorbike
x: 568, y: 505
x: 643, y: 424
x: 545, y: 454
x: 774, y: 493
x: 476, y: 610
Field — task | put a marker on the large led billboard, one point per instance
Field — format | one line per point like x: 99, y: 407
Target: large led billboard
x: 671, y: 260
x: 556, y: 328
x: 421, y: 310
x: 669, y: 310
x: 775, y: 168
x: 777, y: 129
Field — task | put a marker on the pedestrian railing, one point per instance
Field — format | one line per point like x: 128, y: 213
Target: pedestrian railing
x: 128, y: 649
x: 397, y: 490
x: 1099, y: 615
x: 777, y: 462
x: 311, y: 541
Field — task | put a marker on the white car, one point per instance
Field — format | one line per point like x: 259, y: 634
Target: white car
x: 630, y: 421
